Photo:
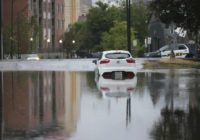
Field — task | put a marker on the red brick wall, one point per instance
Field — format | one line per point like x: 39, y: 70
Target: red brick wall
x: 19, y: 7
x: 59, y: 16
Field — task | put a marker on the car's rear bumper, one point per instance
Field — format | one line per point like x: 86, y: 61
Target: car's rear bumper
x: 117, y: 73
x: 103, y: 70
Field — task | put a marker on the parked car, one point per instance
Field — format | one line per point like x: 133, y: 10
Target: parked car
x: 116, y: 64
x: 33, y: 57
x: 153, y: 54
x: 97, y: 55
x: 109, y: 88
x: 181, y: 50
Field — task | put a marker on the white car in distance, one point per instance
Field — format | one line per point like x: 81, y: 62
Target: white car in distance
x: 116, y: 64
x: 33, y: 57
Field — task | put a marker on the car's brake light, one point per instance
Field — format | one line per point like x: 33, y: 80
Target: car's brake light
x: 104, y: 61
x: 107, y: 75
x: 104, y: 88
x: 130, y: 60
x: 130, y: 75
x: 129, y: 89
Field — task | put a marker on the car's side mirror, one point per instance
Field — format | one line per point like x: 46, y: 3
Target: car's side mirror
x: 94, y: 61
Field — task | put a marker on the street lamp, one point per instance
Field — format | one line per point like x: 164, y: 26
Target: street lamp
x: 60, y: 42
x: 73, y: 44
x: 1, y: 30
x: 31, y: 39
x: 48, y: 41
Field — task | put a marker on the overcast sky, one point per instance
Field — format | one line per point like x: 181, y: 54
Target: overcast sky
x: 94, y: 1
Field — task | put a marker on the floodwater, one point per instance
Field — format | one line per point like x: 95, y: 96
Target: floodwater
x: 154, y: 105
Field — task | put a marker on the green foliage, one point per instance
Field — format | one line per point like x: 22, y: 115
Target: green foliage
x: 35, y: 32
x: 69, y: 37
x: 19, y: 35
x: 23, y: 31
x: 106, y: 28
x: 100, y: 19
x: 116, y: 38
x: 138, y: 51
x: 139, y: 16
x: 7, y: 40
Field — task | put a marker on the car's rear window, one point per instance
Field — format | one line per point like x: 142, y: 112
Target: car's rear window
x: 117, y: 55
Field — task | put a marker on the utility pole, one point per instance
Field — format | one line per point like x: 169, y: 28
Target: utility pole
x: 128, y: 11
x: 12, y: 34
x: 1, y: 28
x: 1, y: 73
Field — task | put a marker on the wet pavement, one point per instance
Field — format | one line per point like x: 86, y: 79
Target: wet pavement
x: 72, y: 105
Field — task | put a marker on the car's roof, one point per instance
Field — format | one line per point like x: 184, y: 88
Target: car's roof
x: 116, y: 51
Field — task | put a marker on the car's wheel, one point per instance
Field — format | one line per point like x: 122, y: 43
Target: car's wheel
x: 189, y: 55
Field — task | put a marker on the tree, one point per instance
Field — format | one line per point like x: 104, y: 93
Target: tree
x: 35, y: 32
x: 68, y: 38
x: 100, y: 19
x: 184, y: 13
x: 116, y: 37
x: 139, y: 17
x: 23, y: 30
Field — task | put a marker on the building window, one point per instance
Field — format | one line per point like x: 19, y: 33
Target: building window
x: 31, y: 4
x: 44, y: 6
x: 57, y: 8
x: 44, y: 33
x: 49, y: 15
x: 60, y: 24
x: 49, y: 23
x: 63, y: 24
x: 49, y: 33
x: 35, y: 7
x: 57, y: 24
x: 63, y: 9
x: 44, y: 15
x: 49, y: 7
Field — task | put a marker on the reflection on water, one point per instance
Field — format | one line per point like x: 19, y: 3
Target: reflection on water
x: 72, y: 105
x: 110, y: 88
x: 38, y: 103
x: 116, y: 88
x: 180, y: 116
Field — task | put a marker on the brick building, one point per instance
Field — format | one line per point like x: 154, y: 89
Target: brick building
x: 49, y: 14
x: 34, y: 101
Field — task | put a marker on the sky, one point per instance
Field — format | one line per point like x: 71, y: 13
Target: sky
x: 94, y: 1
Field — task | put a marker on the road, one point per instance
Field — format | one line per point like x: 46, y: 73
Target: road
x: 54, y: 65
x: 63, y: 100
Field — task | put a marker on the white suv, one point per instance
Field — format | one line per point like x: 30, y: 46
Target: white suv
x: 116, y: 64
x: 180, y: 50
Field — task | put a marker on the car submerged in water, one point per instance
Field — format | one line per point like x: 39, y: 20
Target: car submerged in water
x: 179, y: 50
x: 116, y: 64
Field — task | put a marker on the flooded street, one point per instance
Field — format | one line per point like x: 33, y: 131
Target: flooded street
x: 58, y: 105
